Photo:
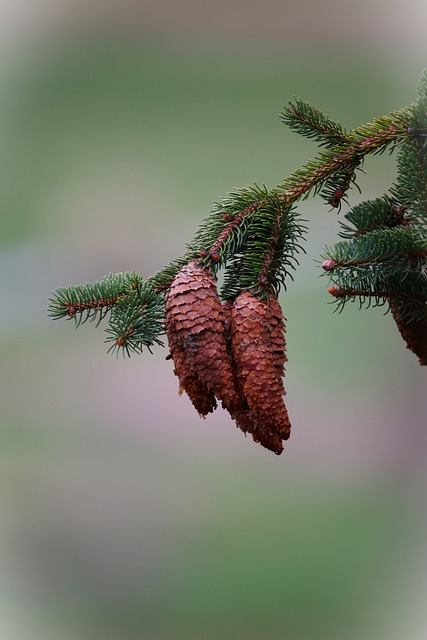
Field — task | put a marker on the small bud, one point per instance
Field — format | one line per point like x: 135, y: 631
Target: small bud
x: 334, y: 291
x: 215, y: 256
x: 120, y: 342
x: 329, y: 264
x: 335, y: 200
x: 71, y: 311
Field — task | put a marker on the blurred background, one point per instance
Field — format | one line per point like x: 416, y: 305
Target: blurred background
x: 122, y: 515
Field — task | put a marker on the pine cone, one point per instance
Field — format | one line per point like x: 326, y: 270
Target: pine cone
x: 244, y: 418
x: 234, y: 352
x: 201, y: 396
x: 257, y: 336
x: 413, y: 333
x: 197, y: 338
x: 277, y: 336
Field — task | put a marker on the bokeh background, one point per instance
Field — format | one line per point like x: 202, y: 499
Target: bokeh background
x: 122, y: 515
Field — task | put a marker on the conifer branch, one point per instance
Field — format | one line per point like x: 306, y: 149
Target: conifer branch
x: 229, y: 347
x: 381, y: 213
x: 369, y: 139
x: 91, y: 301
x: 312, y: 123
x: 254, y: 234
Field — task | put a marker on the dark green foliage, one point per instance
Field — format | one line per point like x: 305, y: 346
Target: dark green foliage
x: 386, y: 246
x: 312, y: 123
x: 136, y: 310
x: 136, y: 320
x: 373, y: 286
x: 91, y: 300
x: 229, y: 223
x: 384, y: 257
x: 411, y: 185
x: 386, y: 262
x: 267, y: 255
x: 372, y: 138
x: 381, y: 213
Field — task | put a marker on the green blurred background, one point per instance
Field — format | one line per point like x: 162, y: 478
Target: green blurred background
x: 122, y: 515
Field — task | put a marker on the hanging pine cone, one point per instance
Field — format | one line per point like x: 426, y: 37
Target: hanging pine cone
x: 414, y: 333
x: 201, y: 396
x: 257, y: 337
x: 233, y: 352
x: 195, y: 327
x: 277, y: 336
x: 245, y: 419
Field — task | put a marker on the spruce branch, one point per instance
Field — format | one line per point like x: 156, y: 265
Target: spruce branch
x: 312, y: 123
x: 381, y: 213
x: 136, y: 321
x: 255, y: 234
x: 411, y: 185
x: 91, y: 301
x: 214, y: 241
x: 372, y: 138
x: 380, y: 246
x: 229, y: 346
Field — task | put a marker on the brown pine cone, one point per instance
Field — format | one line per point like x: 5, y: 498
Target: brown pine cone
x: 201, y: 331
x: 277, y: 336
x: 246, y: 420
x: 413, y: 333
x: 197, y: 337
x: 203, y: 399
x: 257, y: 337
